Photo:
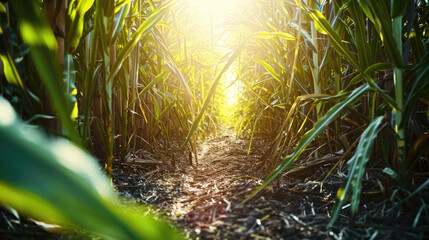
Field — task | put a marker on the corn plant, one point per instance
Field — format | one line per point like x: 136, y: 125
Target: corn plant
x: 150, y: 74
x: 46, y: 178
x: 379, y: 17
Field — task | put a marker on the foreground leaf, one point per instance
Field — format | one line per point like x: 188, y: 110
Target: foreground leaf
x: 37, y: 34
x: 57, y: 182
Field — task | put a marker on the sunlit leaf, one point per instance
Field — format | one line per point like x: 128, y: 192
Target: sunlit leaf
x: 334, y: 38
x: 274, y: 34
x: 75, y: 20
x: 69, y: 78
x: 268, y: 68
x: 9, y: 68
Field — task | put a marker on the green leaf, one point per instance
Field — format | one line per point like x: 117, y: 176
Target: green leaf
x: 334, y: 38
x: 36, y: 33
x: 146, y: 27
x: 365, y: 53
x: 392, y: 103
x: 118, y: 22
x: 369, y: 71
x: 356, y: 164
x: 268, y: 68
x: 120, y: 4
x: 392, y: 174
x: 305, y: 35
x: 398, y: 8
x: 318, y: 128
x: 69, y: 77
x: 160, y: 76
x: 384, y: 27
x: 74, y: 24
x: 419, y: 85
x: 417, y: 46
x: 285, y: 67
x: 366, y: 9
x: 268, y: 35
x: 55, y: 181
x: 172, y: 64
x: 9, y: 68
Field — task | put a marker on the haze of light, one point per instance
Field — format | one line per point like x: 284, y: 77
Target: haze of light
x: 218, y: 11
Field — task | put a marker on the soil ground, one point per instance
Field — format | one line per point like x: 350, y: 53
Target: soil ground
x: 204, y: 200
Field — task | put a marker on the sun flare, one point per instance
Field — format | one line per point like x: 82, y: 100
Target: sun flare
x: 218, y: 10
x: 231, y: 93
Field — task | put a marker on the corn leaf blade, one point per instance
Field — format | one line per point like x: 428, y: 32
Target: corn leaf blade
x: 59, y: 189
x: 318, y: 128
x: 356, y: 164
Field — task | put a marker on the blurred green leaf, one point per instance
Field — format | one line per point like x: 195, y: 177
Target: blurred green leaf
x: 118, y: 22
x: 398, y: 7
x: 9, y: 68
x: 365, y: 7
x: 36, y: 33
x: 392, y: 174
x: 69, y: 78
x: 417, y: 46
x: 59, y: 183
x: 120, y: 4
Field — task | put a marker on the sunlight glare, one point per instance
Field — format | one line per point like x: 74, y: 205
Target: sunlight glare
x: 231, y: 94
x: 7, y: 116
x: 217, y: 9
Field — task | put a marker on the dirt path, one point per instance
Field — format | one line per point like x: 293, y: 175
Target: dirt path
x: 205, y: 200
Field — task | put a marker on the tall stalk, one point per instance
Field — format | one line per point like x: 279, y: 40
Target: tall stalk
x: 315, y: 69
x: 398, y: 77
x: 316, y: 73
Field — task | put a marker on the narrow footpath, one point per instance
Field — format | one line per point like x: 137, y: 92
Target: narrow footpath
x: 205, y: 199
